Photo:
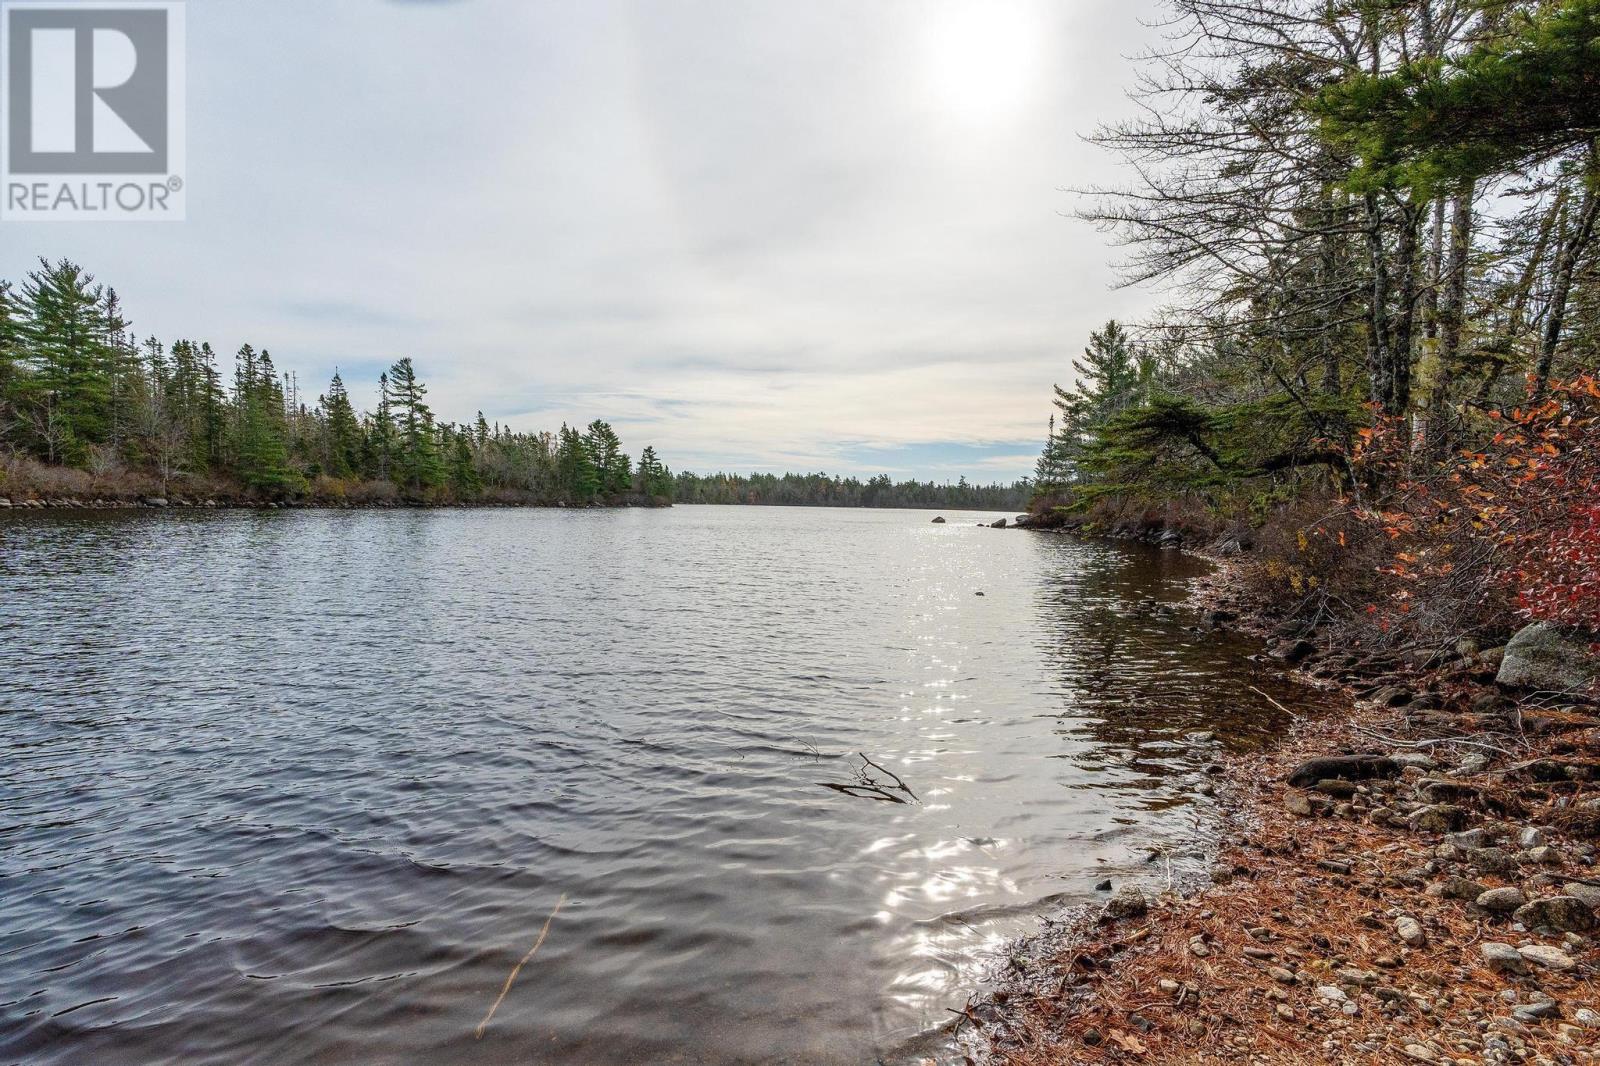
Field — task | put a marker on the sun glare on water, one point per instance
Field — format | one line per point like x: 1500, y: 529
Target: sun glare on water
x: 980, y: 59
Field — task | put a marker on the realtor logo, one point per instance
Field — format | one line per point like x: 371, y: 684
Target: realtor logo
x: 92, y: 104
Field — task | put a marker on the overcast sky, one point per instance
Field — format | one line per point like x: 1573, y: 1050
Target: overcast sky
x: 760, y: 234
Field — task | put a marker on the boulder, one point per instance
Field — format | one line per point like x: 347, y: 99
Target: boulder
x: 1348, y: 767
x: 1545, y: 657
x: 1001, y: 524
x: 154, y: 501
x: 938, y: 520
x: 1564, y: 914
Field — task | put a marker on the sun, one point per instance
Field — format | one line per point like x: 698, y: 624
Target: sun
x: 980, y: 58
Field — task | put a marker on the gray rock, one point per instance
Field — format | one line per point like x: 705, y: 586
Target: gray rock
x: 1531, y: 837
x: 1503, y: 958
x: 1295, y: 803
x: 1001, y: 524
x: 1548, y: 957
x: 1129, y: 902
x: 1532, y: 1012
x: 1471, y: 838
x: 1586, y: 1018
x: 1502, y: 900
x: 154, y: 501
x: 1544, y: 855
x: 4, y: 502
x: 1409, y: 930
x: 1438, y: 818
x: 1492, y: 860
x: 938, y: 520
x: 1462, y: 888
x: 1544, y: 657
x: 1589, y: 894
x: 1565, y: 914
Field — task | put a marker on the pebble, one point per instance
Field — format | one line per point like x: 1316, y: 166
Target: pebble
x: 1331, y: 993
x: 1503, y: 958
x: 1279, y: 974
x: 1129, y: 902
x: 1548, y: 957
x: 1297, y: 803
x: 1197, y: 948
x: 1530, y: 837
x: 1501, y: 900
x: 1586, y: 1018
x: 1168, y: 985
x: 1409, y: 930
x: 1532, y: 1012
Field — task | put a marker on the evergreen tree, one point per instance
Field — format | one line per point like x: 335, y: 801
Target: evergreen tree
x: 578, y: 476
x: 612, y: 465
x: 10, y: 357
x: 69, y: 392
x: 344, y: 430
x: 262, y: 459
x: 417, y: 466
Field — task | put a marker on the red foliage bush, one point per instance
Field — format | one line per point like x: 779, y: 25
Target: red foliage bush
x: 1513, y: 525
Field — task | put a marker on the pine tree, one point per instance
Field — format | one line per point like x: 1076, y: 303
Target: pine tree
x: 262, y: 458
x: 1110, y: 379
x: 417, y: 465
x: 344, y: 430
x: 10, y: 358
x: 578, y: 477
x: 611, y: 463
x: 69, y: 392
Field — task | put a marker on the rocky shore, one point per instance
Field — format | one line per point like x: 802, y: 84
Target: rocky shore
x: 1413, y: 880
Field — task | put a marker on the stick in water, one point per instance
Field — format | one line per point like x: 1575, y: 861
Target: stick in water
x: 518, y: 967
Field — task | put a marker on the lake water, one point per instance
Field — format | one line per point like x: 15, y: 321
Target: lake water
x: 304, y: 787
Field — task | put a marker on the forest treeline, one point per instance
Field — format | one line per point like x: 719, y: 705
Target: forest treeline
x: 821, y: 490
x: 85, y: 408
x: 1377, y: 223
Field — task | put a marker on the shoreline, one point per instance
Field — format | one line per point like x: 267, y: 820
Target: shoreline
x: 1343, y: 917
x: 160, y: 503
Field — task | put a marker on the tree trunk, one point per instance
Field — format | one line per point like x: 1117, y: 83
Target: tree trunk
x: 1452, y: 316
x: 1380, y: 371
x: 1572, y: 248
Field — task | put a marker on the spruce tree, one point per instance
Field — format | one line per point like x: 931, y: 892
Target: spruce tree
x: 261, y: 455
x: 344, y: 430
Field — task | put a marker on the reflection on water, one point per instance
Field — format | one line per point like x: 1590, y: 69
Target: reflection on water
x: 303, y: 787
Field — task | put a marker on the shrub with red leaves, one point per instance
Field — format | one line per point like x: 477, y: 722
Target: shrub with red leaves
x: 1514, y: 522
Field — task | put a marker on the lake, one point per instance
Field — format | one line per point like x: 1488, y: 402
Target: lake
x: 305, y: 786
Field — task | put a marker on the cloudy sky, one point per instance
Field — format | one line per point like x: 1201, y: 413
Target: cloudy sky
x: 760, y: 234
